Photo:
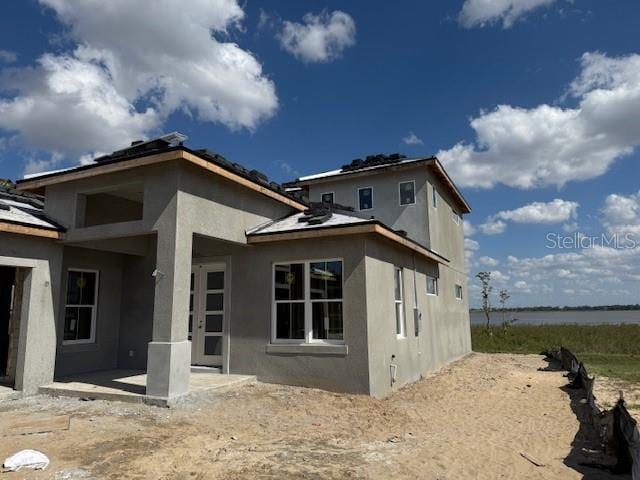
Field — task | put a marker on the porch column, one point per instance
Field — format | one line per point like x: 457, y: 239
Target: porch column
x: 169, y: 354
x: 37, y: 336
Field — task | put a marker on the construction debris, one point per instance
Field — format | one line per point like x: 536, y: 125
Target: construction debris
x: 26, y: 459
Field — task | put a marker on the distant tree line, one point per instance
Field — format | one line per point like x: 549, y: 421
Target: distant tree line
x: 575, y: 308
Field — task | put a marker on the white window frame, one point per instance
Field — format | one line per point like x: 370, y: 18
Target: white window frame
x: 358, y: 199
x: 400, y: 193
x: 457, y: 287
x: 399, y: 303
x: 456, y: 217
x: 94, y: 308
x: 308, y: 305
x: 333, y: 196
x: 434, y: 196
x: 435, y: 282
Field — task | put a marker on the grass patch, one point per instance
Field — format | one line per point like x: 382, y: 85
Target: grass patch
x: 608, y: 350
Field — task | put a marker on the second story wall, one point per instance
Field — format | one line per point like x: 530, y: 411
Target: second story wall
x: 385, y: 187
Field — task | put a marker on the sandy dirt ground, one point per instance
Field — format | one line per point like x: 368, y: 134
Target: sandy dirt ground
x: 472, y: 420
x: 607, y: 393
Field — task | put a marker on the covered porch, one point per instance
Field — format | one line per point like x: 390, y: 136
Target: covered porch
x: 130, y: 385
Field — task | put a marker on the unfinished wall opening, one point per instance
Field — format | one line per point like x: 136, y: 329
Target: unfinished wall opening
x: 11, y: 282
x: 121, y: 204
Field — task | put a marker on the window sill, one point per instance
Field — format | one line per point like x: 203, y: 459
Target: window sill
x: 307, y: 349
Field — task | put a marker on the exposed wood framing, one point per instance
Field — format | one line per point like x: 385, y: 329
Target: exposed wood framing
x: 33, y: 231
x: 348, y: 230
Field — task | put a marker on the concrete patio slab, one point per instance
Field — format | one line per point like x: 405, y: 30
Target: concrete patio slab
x: 130, y: 385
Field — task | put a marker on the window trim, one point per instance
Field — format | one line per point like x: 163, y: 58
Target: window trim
x: 400, y: 193
x: 333, y: 196
x: 455, y: 291
x: 94, y: 308
x: 358, y: 199
x: 435, y: 281
x: 434, y: 196
x: 308, y: 306
x: 457, y: 218
x: 396, y: 302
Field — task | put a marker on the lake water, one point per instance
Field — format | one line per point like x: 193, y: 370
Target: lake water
x: 557, y: 318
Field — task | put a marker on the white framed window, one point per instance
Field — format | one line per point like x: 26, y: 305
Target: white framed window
x: 457, y: 218
x: 434, y: 196
x: 458, y: 291
x: 399, y: 301
x: 308, y: 302
x: 81, y: 306
x: 432, y: 285
x: 407, y: 192
x: 365, y: 198
x: 328, y: 197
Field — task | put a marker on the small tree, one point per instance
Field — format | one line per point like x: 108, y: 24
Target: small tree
x: 504, y: 297
x: 485, y: 281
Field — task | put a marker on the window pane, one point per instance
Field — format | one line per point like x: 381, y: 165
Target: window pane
x: 365, y: 197
x: 407, y: 193
x: 215, y: 280
x: 191, y: 302
x: 77, y: 323
x: 326, y: 280
x: 327, y: 198
x: 215, y: 301
x: 70, y: 323
x: 213, y: 323
x: 290, y: 320
x: 399, y: 319
x: 327, y: 320
x: 289, y: 282
x: 213, y: 345
x: 192, y: 281
x: 190, y: 325
x: 432, y: 286
x: 84, y: 323
x: 81, y: 287
x: 434, y: 196
x: 398, y: 284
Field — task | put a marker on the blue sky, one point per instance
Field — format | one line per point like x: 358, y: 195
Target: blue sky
x: 532, y: 105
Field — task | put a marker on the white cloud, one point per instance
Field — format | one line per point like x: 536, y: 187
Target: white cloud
x: 126, y: 76
x: 468, y: 228
x: 493, y: 227
x: 488, y: 261
x: 522, y: 286
x: 556, y: 211
x: 551, y: 145
x: 621, y: 216
x: 498, y: 277
x: 412, y: 139
x: 480, y: 13
x: 7, y: 56
x: 320, y: 38
x: 470, y: 247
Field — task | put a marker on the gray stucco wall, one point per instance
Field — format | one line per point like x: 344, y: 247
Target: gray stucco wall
x: 250, y: 326
x: 42, y: 260
x: 103, y: 354
x: 445, y: 334
x: 386, y: 199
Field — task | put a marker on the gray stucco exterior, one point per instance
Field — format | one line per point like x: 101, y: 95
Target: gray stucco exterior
x: 191, y: 218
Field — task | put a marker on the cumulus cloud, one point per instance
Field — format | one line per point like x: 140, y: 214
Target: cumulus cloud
x: 488, y: 261
x: 468, y: 228
x: 470, y: 248
x: 556, y: 211
x: 552, y: 145
x: 479, y: 13
x: 7, y: 56
x: 320, y: 37
x: 412, y: 139
x: 621, y: 216
x: 493, y: 227
x: 124, y: 77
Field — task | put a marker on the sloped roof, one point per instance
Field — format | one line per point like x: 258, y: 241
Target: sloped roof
x: 21, y: 209
x: 378, y: 163
x: 328, y: 221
